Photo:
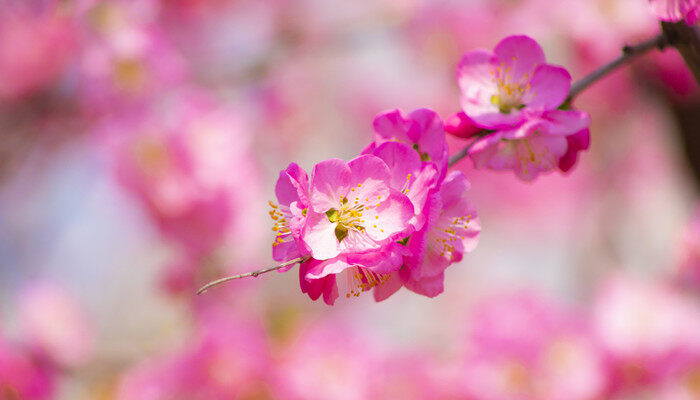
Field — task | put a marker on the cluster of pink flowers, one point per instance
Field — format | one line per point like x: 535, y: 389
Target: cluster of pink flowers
x: 517, y: 100
x: 638, y: 339
x: 676, y: 10
x: 394, y: 216
x: 391, y: 217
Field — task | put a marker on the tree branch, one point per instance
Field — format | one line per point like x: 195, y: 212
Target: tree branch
x: 628, y: 53
x: 686, y: 39
x: 297, y: 260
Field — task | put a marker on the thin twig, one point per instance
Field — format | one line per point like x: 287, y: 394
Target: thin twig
x: 297, y: 260
x: 628, y: 53
x: 462, y: 153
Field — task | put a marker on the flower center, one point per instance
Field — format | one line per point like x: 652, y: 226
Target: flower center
x: 348, y: 217
x: 361, y: 280
x: 510, y: 94
x: 445, y: 235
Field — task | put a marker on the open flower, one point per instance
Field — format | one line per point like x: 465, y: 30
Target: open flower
x: 676, y: 10
x: 499, y: 88
x: 541, y: 144
x: 513, y: 92
x: 452, y: 229
x: 353, y: 208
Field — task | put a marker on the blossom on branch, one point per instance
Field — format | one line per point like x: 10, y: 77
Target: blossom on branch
x: 516, y: 97
x: 389, y: 218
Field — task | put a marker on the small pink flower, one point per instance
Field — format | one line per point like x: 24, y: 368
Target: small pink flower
x: 676, y: 10
x: 422, y: 129
x: 542, y: 143
x: 353, y: 209
x: 499, y: 88
x: 452, y: 229
x: 292, y: 191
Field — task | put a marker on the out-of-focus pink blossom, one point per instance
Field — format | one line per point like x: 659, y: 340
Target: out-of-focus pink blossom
x: 676, y: 10
x: 22, y: 376
x: 35, y: 47
x: 178, y: 162
x: 54, y: 324
x: 523, y: 347
x: 650, y: 331
x: 328, y: 361
x: 225, y: 359
x: 126, y: 59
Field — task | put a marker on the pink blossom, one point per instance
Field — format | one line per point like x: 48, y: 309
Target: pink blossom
x: 647, y: 328
x: 225, y: 359
x: 127, y: 58
x: 422, y: 129
x: 55, y: 325
x: 461, y: 126
x: 328, y: 361
x: 35, y: 48
x: 292, y: 191
x: 514, y: 92
x: 452, y: 229
x: 499, y: 89
x: 541, y: 144
x: 523, y: 347
x: 676, y: 10
x: 409, y: 175
x: 178, y: 163
x: 353, y: 209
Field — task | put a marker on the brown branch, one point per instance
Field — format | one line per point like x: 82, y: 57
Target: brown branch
x: 628, y: 53
x: 297, y: 260
x: 686, y: 39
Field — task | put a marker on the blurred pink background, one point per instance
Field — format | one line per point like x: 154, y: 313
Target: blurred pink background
x: 140, y: 143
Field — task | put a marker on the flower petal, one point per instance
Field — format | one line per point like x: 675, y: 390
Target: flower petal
x: 369, y: 181
x: 395, y: 125
x: 389, y: 218
x: 319, y: 236
x: 431, y: 130
x: 549, y: 87
x: 330, y: 182
x: 519, y: 55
